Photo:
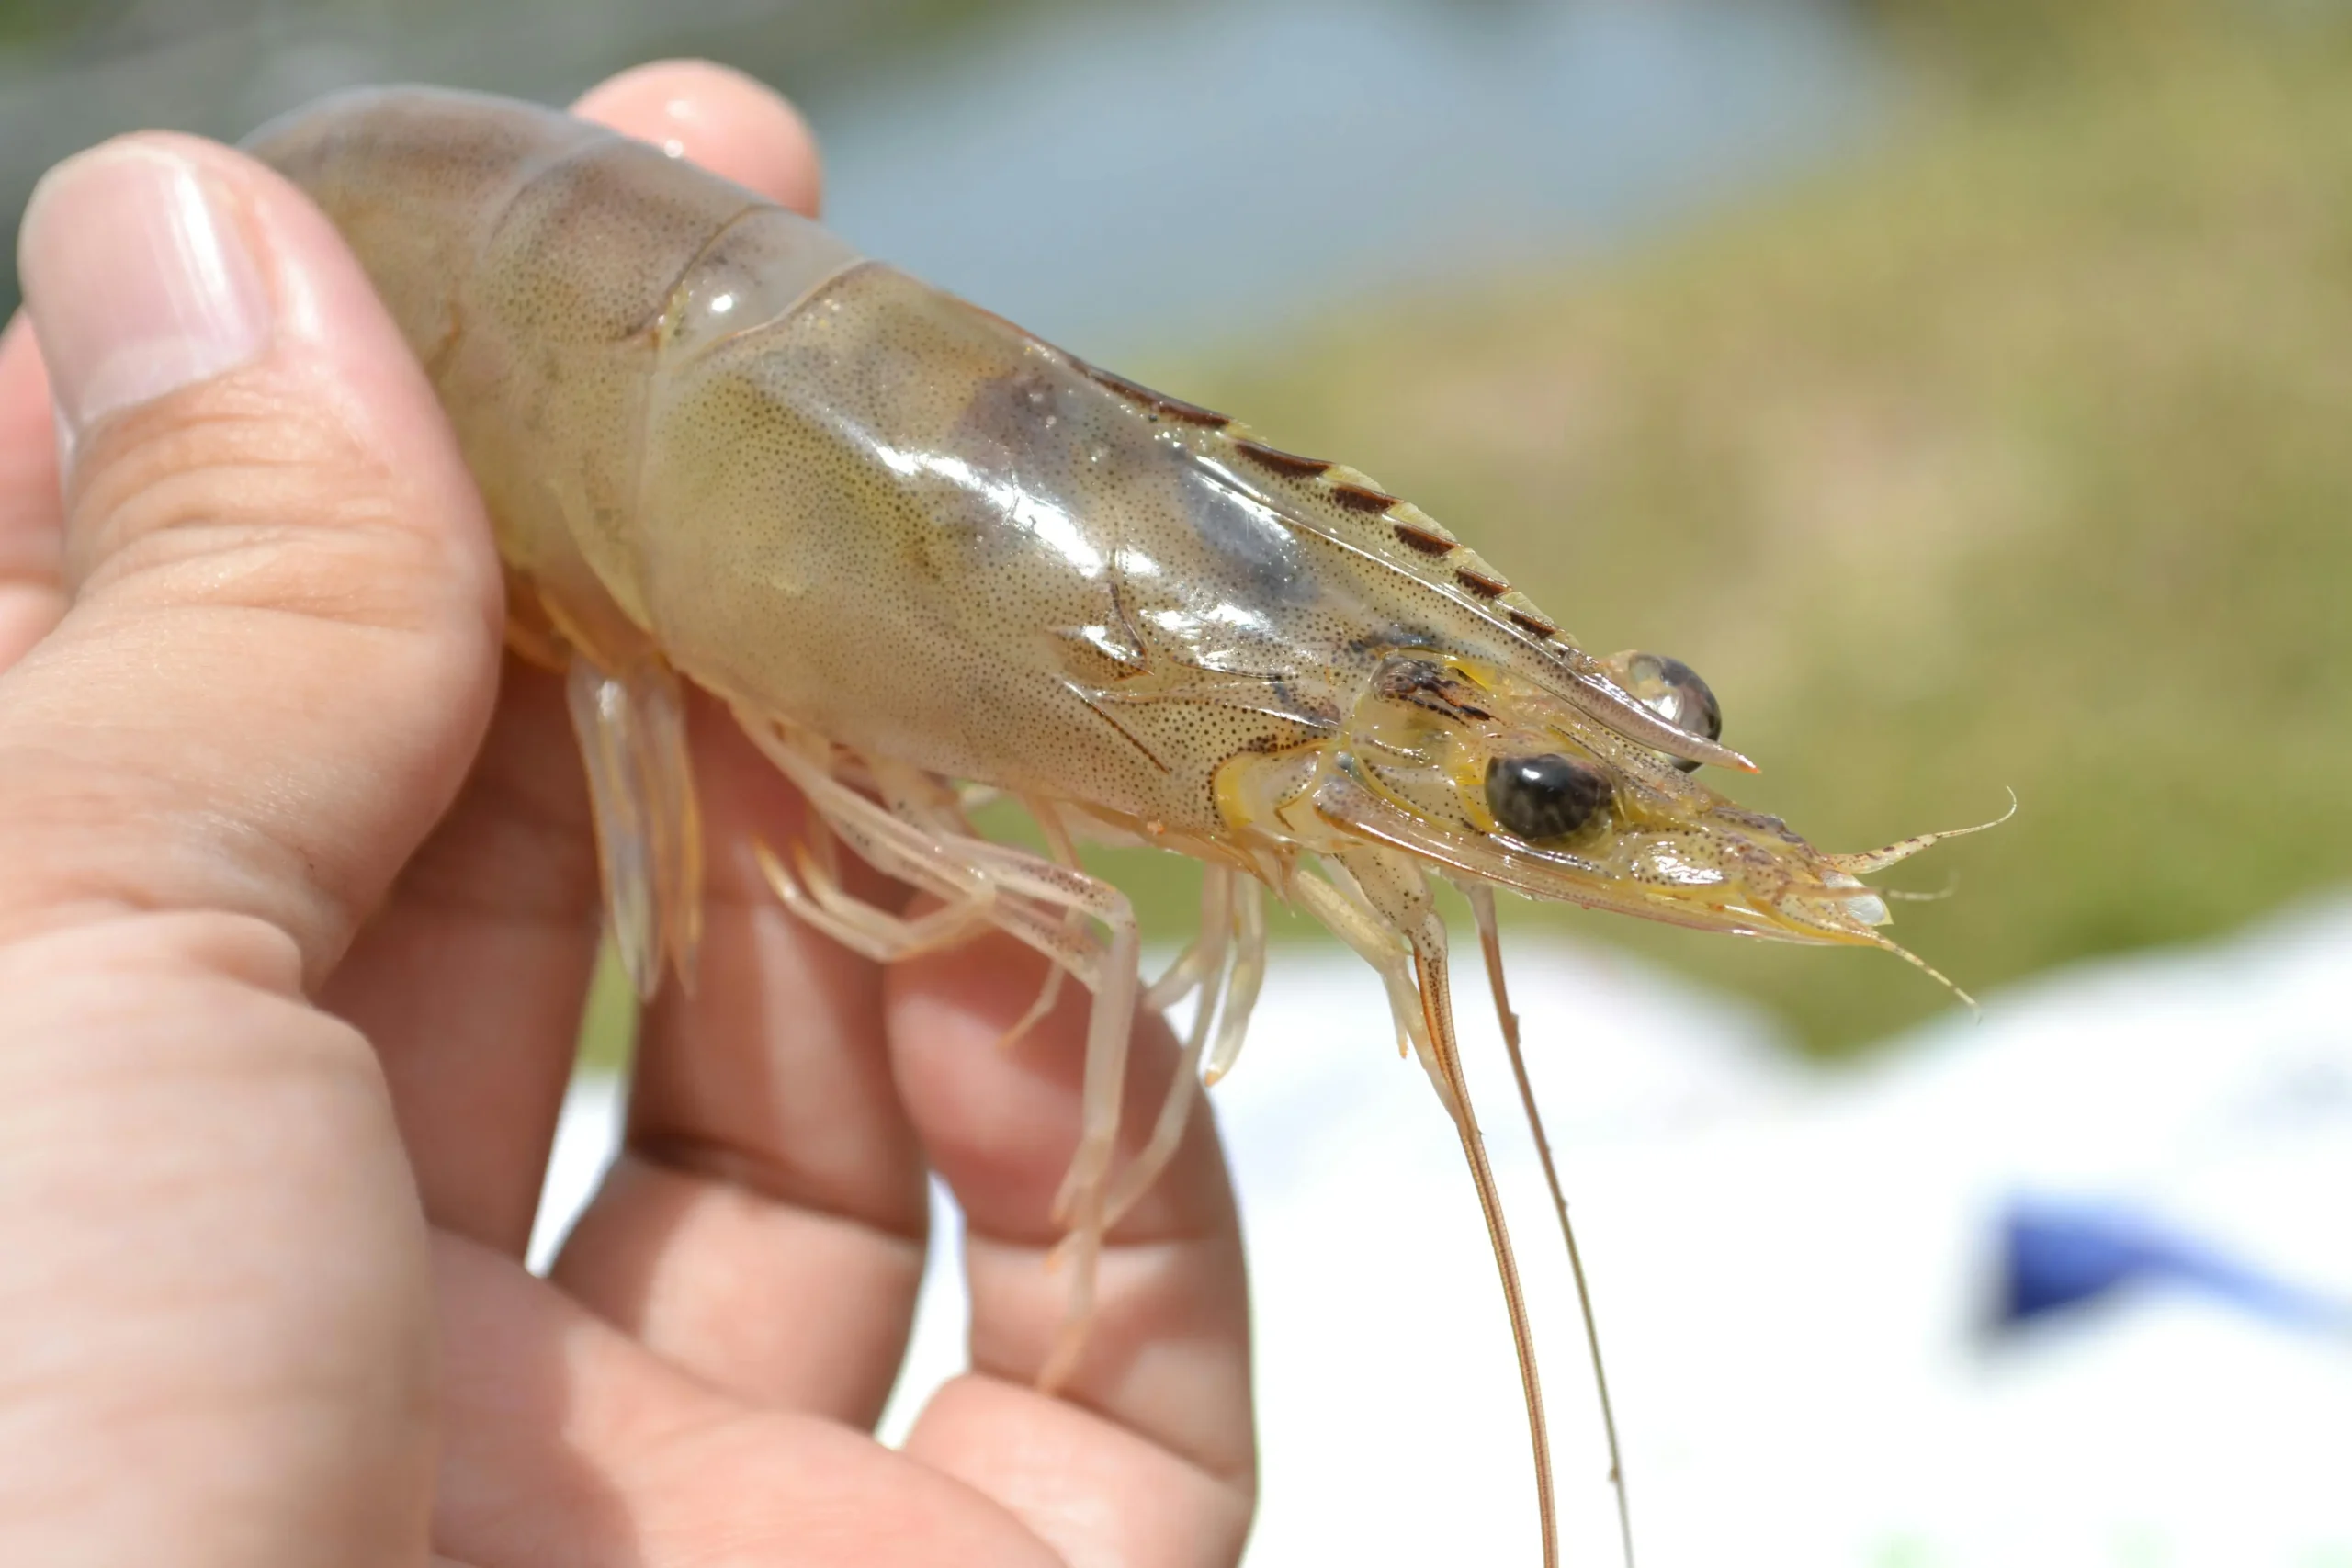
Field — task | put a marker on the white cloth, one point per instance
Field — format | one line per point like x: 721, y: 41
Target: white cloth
x: 1793, y: 1270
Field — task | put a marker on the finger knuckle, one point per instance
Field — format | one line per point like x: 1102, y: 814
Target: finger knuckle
x: 252, y: 493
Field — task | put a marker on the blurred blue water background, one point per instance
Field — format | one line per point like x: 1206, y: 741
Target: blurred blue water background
x: 1125, y: 180
x: 1119, y: 176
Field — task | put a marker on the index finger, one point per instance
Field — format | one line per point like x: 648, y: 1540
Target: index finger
x: 32, y: 519
x: 1149, y: 1456
x: 721, y: 119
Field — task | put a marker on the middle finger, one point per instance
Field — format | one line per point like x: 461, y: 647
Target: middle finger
x: 767, y: 1160
x: 765, y: 1227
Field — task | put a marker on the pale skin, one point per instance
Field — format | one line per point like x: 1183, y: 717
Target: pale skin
x: 297, y: 906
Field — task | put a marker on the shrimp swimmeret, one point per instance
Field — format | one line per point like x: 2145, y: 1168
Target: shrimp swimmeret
x: 924, y: 555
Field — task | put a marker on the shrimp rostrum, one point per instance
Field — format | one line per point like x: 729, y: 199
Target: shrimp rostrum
x: 923, y: 556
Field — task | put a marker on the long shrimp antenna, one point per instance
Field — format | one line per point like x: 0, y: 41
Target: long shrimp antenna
x: 1946, y: 981
x: 1431, y: 961
x: 1482, y: 906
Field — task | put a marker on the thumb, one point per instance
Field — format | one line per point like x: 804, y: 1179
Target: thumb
x: 282, y: 642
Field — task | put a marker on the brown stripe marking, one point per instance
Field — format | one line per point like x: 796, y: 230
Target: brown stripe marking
x: 1531, y: 624
x: 1191, y: 413
x: 1288, y: 464
x: 1427, y: 685
x: 1421, y: 539
x: 1356, y: 497
x: 1159, y: 402
x: 1099, y: 711
x: 1485, y: 587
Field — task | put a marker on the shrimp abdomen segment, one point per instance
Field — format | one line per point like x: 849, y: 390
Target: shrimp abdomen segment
x: 536, y: 264
x: 413, y: 188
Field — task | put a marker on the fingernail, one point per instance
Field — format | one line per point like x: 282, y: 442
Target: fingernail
x: 138, y: 279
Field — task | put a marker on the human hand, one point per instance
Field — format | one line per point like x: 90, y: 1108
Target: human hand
x: 298, y: 907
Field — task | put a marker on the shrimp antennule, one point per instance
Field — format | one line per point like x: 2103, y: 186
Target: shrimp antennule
x: 1862, y: 863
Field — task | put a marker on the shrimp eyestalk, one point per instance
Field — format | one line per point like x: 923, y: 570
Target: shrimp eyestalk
x: 922, y: 554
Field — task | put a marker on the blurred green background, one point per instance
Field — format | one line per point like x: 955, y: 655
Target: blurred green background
x: 2017, y: 453
x: 1991, y: 429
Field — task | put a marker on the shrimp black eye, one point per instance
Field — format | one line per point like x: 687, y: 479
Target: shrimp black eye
x: 1672, y: 690
x: 1548, y: 796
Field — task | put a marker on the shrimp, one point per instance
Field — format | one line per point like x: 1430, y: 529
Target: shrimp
x: 923, y: 555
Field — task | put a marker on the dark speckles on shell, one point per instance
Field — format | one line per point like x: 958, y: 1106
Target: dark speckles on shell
x: 1395, y: 635
x: 1757, y: 821
x: 1478, y: 582
x: 1008, y: 410
x: 1251, y: 542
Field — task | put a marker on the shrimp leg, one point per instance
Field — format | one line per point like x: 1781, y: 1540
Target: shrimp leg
x: 1339, y: 903
x: 812, y: 891
x: 1216, y: 945
x: 1241, y: 985
x: 1033, y: 899
x: 632, y: 728
x: 1049, y: 994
